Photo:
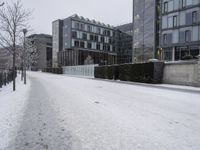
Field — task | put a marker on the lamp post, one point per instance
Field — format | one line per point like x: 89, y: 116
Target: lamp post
x: 24, y: 55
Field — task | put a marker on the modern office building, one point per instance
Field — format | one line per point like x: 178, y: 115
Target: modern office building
x: 81, y: 41
x: 146, y: 29
x: 180, y: 29
x: 43, y: 44
x: 124, y: 43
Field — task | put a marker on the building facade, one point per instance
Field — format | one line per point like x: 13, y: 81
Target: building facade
x: 124, y: 43
x: 145, y: 29
x: 80, y: 41
x: 43, y: 44
x: 180, y: 29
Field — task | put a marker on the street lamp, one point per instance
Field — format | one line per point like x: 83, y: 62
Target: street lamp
x: 24, y: 65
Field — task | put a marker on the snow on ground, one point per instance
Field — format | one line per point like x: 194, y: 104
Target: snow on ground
x: 105, y: 115
x: 11, y: 110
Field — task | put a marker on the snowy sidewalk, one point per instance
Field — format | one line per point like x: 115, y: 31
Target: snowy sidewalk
x: 39, y: 129
x: 11, y: 111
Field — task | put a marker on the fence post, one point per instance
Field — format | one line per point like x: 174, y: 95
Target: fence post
x: 1, y: 80
x: 198, y: 71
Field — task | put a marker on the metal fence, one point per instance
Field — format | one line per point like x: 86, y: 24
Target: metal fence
x: 84, y: 70
x: 6, y: 76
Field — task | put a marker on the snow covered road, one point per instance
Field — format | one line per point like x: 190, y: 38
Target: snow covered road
x: 68, y: 113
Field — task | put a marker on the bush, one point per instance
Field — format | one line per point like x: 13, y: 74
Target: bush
x: 53, y: 70
x: 147, y: 72
x: 187, y: 57
x: 107, y: 72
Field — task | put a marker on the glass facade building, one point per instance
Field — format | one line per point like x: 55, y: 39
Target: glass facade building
x: 125, y: 43
x: 146, y: 29
x: 180, y: 29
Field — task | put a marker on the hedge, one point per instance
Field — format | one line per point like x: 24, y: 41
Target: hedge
x: 53, y: 70
x: 151, y: 72
x: 107, y: 72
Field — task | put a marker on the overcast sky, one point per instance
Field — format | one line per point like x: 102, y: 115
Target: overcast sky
x: 113, y: 12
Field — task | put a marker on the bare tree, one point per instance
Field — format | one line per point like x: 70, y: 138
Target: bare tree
x: 13, y: 19
x: 32, y: 54
x: 28, y: 56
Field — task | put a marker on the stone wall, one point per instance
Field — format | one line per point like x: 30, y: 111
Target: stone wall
x: 182, y: 73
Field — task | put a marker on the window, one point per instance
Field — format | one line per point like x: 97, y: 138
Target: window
x: 89, y: 45
x: 82, y: 44
x: 73, y: 24
x: 104, y: 32
x: 183, y: 3
x: 77, y: 25
x: 170, y: 22
x: 182, y: 18
x: 98, y: 47
x: 108, y: 47
x: 82, y: 26
x: 174, y: 21
x: 175, y: 36
x: 194, y: 17
x: 84, y: 36
x: 96, y: 38
x: 187, y: 36
x: 99, y: 30
x: 94, y: 45
x: 164, y: 22
x: 176, y: 4
x: 195, y: 31
x: 104, y: 47
x: 74, y: 34
x: 165, y: 39
x: 102, y: 39
x: 89, y: 28
x: 73, y: 43
x: 165, y: 7
x: 170, y: 6
x: 108, y: 33
x: 91, y: 37
x: 76, y: 43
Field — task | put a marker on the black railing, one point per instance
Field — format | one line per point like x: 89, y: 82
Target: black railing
x: 6, y: 76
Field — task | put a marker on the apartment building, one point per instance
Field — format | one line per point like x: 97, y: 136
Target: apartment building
x: 180, y: 29
x: 81, y: 41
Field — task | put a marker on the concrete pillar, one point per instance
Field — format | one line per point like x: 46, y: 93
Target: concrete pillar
x: 198, y: 73
x: 173, y: 54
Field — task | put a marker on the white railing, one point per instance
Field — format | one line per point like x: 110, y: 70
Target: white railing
x: 83, y: 70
